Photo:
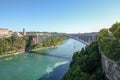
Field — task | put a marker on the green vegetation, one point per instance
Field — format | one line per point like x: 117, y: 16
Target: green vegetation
x: 86, y: 65
x: 14, y: 44
x: 54, y: 41
x: 109, y: 41
x: 11, y: 44
x: 51, y: 42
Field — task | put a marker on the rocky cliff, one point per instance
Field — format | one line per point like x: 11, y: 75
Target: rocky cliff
x: 110, y: 67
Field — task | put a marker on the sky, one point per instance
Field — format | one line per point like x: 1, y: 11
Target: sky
x: 70, y: 16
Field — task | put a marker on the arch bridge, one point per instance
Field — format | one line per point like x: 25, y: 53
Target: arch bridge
x: 85, y: 38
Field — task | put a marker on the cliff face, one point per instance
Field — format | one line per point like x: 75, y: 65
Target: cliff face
x: 110, y: 67
x: 109, y: 47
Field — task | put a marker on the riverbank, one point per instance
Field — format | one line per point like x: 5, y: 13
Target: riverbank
x: 21, y: 52
x: 45, y: 48
x: 52, y: 43
x: 86, y: 65
x: 12, y: 45
x: 15, y: 53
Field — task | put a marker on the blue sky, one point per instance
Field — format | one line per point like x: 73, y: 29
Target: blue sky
x: 59, y: 15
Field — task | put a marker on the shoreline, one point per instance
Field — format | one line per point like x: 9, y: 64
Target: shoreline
x: 47, y: 47
x: 5, y: 55
x: 44, y: 48
x: 50, y: 46
x: 21, y: 52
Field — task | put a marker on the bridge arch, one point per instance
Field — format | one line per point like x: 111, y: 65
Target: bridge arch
x: 85, y: 38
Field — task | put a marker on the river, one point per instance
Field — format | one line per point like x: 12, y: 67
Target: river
x: 48, y: 64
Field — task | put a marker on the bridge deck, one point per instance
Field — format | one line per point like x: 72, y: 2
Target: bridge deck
x: 85, y: 39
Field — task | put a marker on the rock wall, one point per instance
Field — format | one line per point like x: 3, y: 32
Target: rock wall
x: 110, y: 67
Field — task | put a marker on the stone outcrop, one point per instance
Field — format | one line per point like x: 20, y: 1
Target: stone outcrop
x: 110, y: 67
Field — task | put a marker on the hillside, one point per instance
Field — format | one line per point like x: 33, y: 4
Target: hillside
x: 109, y: 41
x: 86, y: 64
x: 12, y: 44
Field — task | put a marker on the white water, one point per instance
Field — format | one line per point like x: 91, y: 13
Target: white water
x: 9, y: 58
x: 51, y: 68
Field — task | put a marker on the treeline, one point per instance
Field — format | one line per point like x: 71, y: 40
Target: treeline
x: 51, y: 42
x: 86, y: 65
x: 12, y: 44
x: 54, y: 41
x: 109, y: 41
x: 42, y: 32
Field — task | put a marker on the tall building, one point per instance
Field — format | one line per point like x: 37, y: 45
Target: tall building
x: 24, y: 33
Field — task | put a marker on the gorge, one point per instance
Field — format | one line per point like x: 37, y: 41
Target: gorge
x: 99, y: 60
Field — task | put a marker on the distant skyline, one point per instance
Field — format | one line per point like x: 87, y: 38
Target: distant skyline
x: 70, y: 16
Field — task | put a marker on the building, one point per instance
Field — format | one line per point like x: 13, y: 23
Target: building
x: 5, y: 31
x: 24, y: 33
x: 18, y: 34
